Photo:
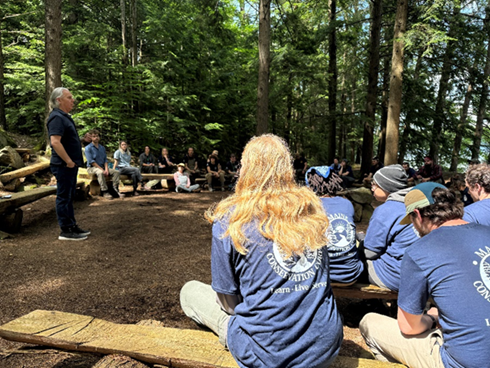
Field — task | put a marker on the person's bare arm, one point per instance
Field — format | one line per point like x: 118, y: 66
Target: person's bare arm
x: 60, y: 150
x: 412, y: 324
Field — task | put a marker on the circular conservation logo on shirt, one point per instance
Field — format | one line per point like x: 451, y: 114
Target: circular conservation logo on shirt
x: 340, y: 234
x: 485, y: 270
x: 294, y: 263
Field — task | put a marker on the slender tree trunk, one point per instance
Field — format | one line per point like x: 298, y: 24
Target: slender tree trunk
x: 343, y: 108
x: 134, y: 43
x: 384, y: 107
x: 332, y: 84
x: 412, y: 96
x: 439, y: 114
x: 475, y: 149
x: 289, y: 110
x: 3, y: 120
x: 395, y: 101
x: 264, y: 60
x: 52, y: 53
x: 123, y: 32
x: 73, y: 15
x: 372, y: 92
x: 458, y: 139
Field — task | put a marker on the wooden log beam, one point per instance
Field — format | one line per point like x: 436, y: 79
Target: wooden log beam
x: 364, y: 291
x: 20, y: 173
x: 22, y: 198
x: 170, y: 347
x: 21, y: 151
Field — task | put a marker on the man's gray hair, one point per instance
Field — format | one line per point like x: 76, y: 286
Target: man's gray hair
x: 57, y: 93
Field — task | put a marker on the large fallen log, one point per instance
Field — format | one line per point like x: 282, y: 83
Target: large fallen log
x: 20, y: 173
x: 170, y: 347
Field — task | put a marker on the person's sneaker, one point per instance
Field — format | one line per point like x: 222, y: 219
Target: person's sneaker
x: 69, y: 234
x: 210, y: 189
x: 222, y: 189
x: 107, y: 195
x: 121, y: 195
x: 135, y: 193
x: 198, y: 190
x: 78, y: 230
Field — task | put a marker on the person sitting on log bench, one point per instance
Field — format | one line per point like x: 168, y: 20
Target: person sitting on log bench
x: 478, y: 184
x: 269, y: 267
x: 191, y: 165
x: 386, y: 240
x: 345, y: 263
x: 215, y: 172
x: 122, y: 162
x: 97, y: 165
x: 165, y: 164
x: 449, y: 265
x: 148, y: 162
x: 182, y: 181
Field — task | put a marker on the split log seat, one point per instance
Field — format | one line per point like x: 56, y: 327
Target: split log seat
x: 364, y: 291
x: 169, y: 347
x: 10, y: 213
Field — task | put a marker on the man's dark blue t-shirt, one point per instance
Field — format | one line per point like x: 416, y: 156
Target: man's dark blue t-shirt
x: 478, y: 212
x: 452, y: 265
x: 60, y: 123
x: 345, y: 265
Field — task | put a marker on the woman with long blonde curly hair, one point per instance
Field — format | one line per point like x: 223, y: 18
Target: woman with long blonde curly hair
x: 270, y: 301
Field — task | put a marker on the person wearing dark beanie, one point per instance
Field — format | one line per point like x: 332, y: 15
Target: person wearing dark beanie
x: 386, y: 240
x: 345, y: 263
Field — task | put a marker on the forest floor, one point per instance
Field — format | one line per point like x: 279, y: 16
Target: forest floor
x: 141, y: 252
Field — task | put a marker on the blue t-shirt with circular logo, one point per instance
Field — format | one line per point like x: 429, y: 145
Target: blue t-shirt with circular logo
x: 288, y: 317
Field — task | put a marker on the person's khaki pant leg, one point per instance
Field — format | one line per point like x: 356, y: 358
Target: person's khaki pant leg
x: 198, y: 301
x: 388, y: 344
x: 209, y: 178
x: 222, y: 179
x: 100, y: 177
x: 115, y: 178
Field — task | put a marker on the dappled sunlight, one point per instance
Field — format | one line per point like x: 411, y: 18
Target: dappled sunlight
x: 39, y: 287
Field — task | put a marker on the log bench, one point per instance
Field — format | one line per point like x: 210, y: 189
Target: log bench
x: 168, y: 347
x: 363, y: 291
x: 10, y: 213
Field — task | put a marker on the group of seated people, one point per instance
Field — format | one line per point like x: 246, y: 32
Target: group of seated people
x: 184, y: 172
x: 277, y: 249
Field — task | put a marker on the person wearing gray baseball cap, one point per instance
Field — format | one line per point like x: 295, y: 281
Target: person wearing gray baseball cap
x: 386, y: 240
x: 450, y: 267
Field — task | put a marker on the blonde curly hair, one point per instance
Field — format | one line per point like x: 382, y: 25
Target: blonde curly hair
x: 266, y: 193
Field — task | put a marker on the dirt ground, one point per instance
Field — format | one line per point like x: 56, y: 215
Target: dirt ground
x: 141, y: 252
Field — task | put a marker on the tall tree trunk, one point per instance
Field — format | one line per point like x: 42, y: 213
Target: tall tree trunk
x: 384, y: 107
x: 73, y: 15
x: 475, y: 148
x: 52, y: 53
x: 134, y: 43
x: 264, y: 60
x: 458, y: 139
x: 439, y: 114
x: 123, y: 32
x: 3, y: 120
x: 343, y: 108
x: 332, y: 84
x: 372, y: 92
x: 395, y: 101
x: 412, y: 96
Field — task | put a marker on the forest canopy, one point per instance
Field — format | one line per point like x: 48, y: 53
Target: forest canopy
x: 180, y: 73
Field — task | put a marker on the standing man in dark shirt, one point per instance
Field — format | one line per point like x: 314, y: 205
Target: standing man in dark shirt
x: 300, y: 165
x: 66, y: 158
x: 147, y: 162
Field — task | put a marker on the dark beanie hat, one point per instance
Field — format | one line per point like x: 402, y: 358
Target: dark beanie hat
x: 391, y: 178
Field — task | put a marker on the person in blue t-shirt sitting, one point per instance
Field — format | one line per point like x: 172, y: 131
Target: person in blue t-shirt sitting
x: 335, y: 167
x: 346, y: 173
x: 386, y: 240
x: 345, y: 264
x: 450, y: 266
x: 478, y: 183
x: 411, y: 173
x: 270, y: 301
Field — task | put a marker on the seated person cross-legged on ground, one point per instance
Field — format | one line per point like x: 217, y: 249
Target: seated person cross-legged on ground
x: 449, y: 267
x: 97, y: 165
x: 122, y: 162
x: 270, y: 301
x: 215, y: 173
x: 345, y: 263
x: 386, y: 240
x: 182, y: 181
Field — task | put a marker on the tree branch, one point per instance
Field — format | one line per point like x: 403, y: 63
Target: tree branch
x: 15, y: 15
